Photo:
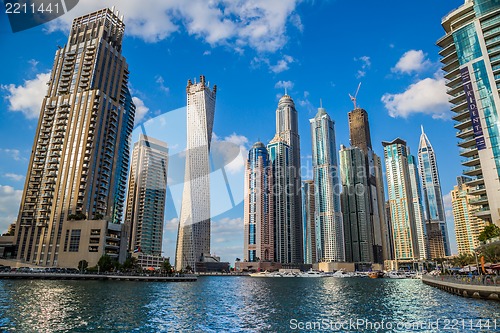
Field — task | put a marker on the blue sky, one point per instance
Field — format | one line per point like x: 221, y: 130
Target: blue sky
x: 252, y: 50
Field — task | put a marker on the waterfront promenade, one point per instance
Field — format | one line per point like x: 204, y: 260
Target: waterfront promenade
x: 482, y: 286
x: 111, y: 277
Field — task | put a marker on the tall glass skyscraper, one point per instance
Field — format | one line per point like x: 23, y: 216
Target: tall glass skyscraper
x: 147, y: 190
x: 471, y: 62
x: 287, y: 129
x: 285, y: 236
x: 193, y: 239
x: 76, y: 180
x: 259, y: 217
x: 434, y: 207
x: 369, y: 175
x: 358, y: 228
x: 309, y: 222
x: 402, y: 212
x: 330, y: 240
x: 418, y: 208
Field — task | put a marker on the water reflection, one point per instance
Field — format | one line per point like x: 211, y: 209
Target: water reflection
x: 229, y: 304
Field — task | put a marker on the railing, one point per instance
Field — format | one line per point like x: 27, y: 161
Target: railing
x: 479, y: 280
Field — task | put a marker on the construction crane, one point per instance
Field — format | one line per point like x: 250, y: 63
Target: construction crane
x: 353, y: 98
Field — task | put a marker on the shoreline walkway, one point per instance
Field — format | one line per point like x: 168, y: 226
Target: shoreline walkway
x: 484, y: 287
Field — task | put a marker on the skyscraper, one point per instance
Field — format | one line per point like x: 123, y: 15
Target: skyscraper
x: 287, y: 129
x: 368, y: 167
x: 358, y: 228
x: 418, y: 209
x: 193, y: 239
x: 467, y: 225
x: 76, y: 180
x: 404, y: 228
x: 330, y: 240
x: 309, y: 222
x: 470, y: 60
x: 258, y: 218
x: 147, y: 190
x: 434, y: 207
x: 285, y: 236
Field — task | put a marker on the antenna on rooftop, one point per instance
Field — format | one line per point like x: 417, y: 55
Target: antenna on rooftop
x: 353, y: 98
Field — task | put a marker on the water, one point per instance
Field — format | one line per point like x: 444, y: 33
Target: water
x: 237, y: 304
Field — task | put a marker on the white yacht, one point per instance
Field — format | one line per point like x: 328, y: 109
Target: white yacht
x: 396, y: 275
x: 341, y: 274
x: 312, y: 274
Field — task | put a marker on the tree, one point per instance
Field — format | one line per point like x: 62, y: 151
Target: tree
x: 105, y: 263
x: 489, y: 232
x: 188, y: 268
x: 167, y: 267
x: 130, y: 264
x: 491, y: 252
x: 82, y: 265
x: 463, y: 259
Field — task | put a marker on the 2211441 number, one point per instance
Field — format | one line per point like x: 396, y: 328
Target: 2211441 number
x: 17, y: 8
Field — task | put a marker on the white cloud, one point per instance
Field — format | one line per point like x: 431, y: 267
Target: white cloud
x: 284, y: 85
x: 365, y: 65
x: 207, y: 52
x: 15, y: 154
x: 27, y: 98
x: 235, y: 159
x: 412, y: 61
x: 140, y: 109
x: 10, y: 199
x: 259, y: 24
x: 14, y: 176
x: 161, y: 84
x: 305, y: 103
x: 427, y: 96
x: 282, y: 65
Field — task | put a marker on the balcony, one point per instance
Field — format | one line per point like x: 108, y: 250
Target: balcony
x: 472, y: 161
x: 478, y: 190
x: 473, y: 171
x: 461, y: 116
x: 482, y: 200
x: 469, y: 142
x: 479, y: 180
x: 468, y: 152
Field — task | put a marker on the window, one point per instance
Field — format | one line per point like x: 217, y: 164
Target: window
x: 74, y: 241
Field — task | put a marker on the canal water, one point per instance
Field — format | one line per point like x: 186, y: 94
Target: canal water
x: 241, y: 304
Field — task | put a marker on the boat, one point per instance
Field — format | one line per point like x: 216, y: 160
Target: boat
x: 341, y: 273
x: 375, y: 275
x: 396, y: 275
x: 311, y: 274
x: 260, y: 274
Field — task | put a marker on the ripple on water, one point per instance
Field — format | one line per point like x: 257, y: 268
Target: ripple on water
x: 229, y: 304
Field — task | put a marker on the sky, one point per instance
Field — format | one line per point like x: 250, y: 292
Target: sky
x: 253, y: 50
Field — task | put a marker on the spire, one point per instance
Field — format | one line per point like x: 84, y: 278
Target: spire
x: 424, y: 140
x: 320, y: 103
x: 285, y: 91
x: 422, y: 128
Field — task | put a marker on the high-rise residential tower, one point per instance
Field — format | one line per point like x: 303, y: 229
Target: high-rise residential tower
x: 330, y: 240
x: 147, y: 190
x: 193, y: 239
x: 467, y: 225
x: 287, y: 129
x: 368, y: 167
x: 76, y: 180
x: 418, y: 208
x: 309, y: 222
x: 404, y: 227
x: 285, y: 236
x: 259, y: 217
x: 470, y: 60
x: 358, y: 228
x: 433, y: 198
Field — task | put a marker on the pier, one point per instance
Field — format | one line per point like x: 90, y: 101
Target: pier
x: 484, y: 287
x: 109, y: 277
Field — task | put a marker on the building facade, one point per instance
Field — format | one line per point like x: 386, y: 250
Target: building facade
x: 193, y: 238
x: 433, y: 198
x: 370, y: 167
x: 287, y: 129
x: 309, y: 222
x: 467, y: 225
x: 285, y: 236
x: 471, y: 59
x: 330, y: 234
x: 79, y: 161
x: 358, y: 228
x: 147, y: 191
x: 402, y: 214
x: 418, y: 208
x: 258, y: 216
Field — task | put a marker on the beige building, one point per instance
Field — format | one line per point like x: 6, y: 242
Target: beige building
x: 78, y: 165
x: 467, y: 225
